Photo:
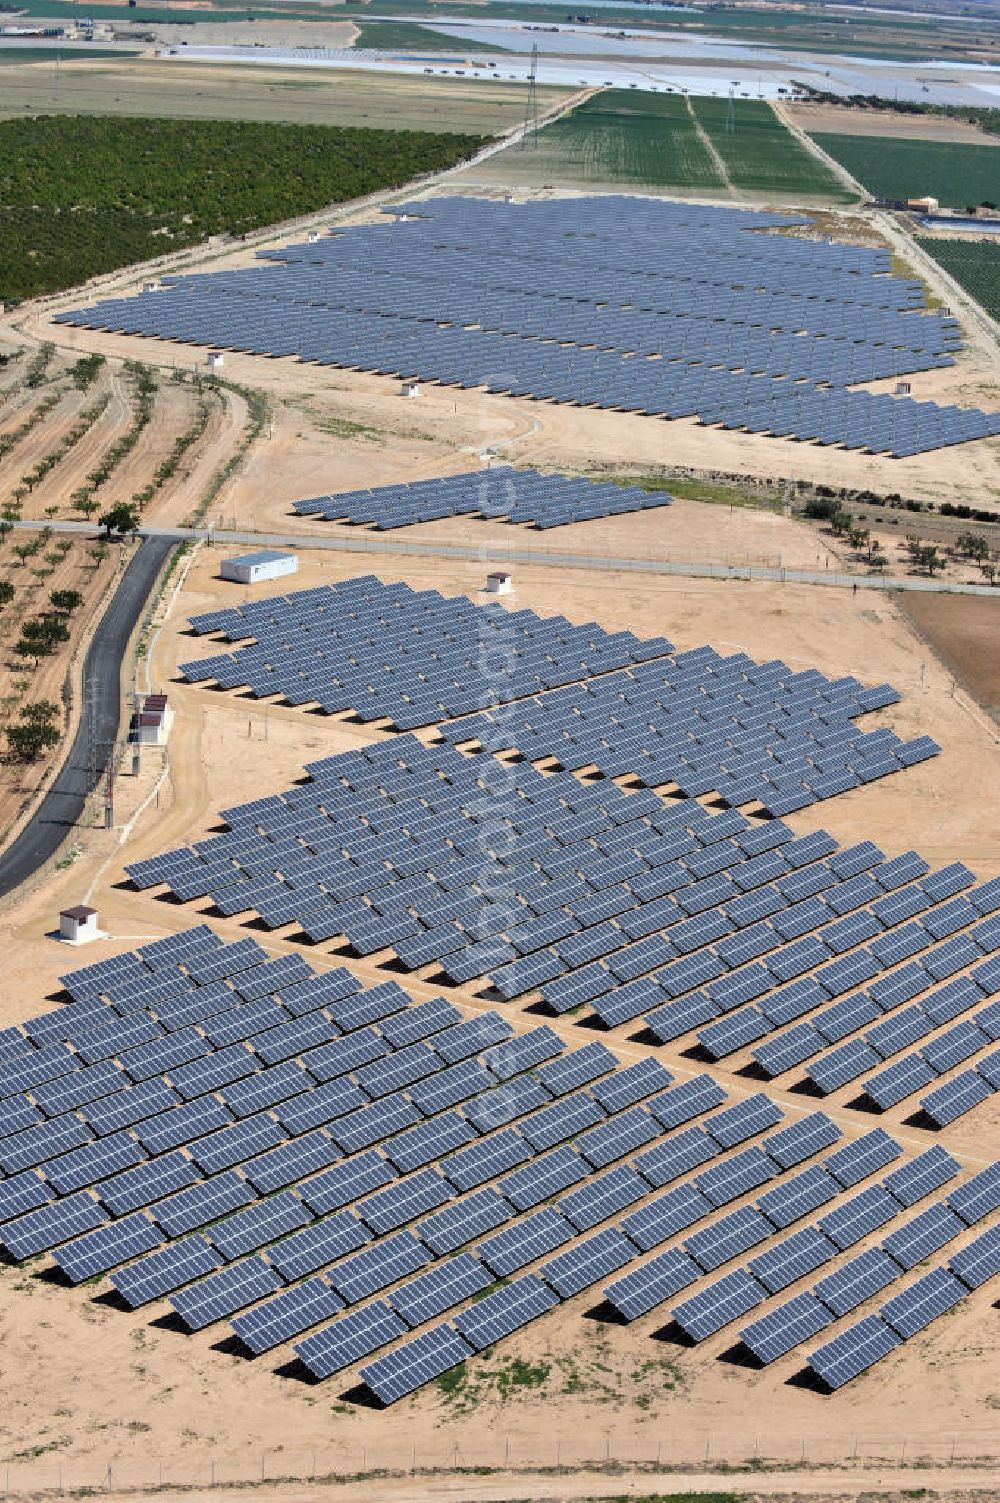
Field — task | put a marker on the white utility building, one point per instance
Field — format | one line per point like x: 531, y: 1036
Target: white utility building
x: 252, y: 568
x: 78, y: 924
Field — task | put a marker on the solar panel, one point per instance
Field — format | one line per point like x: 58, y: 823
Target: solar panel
x: 455, y: 1225
x: 375, y: 1268
x: 165, y: 1270
x: 978, y: 1196
x: 733, y: 1234
x: 781, y: 1330
x: 508, y: 1310
x: 642, y: 1289
x: 590, y: 1260
x: 223, y: 1293
x: 318, y: 1245
x: 439, y: 1289
x: 853, y: 1351
x: 855, y: 1161
x: 801, y: 1253
x: 354, y: 1335
x: 914, y: 1308
x: 853, y: 1282
x: 979, y: 1260
x: 725, y: 1300
x: 800, y: 1140
x: 415, y: 1363
x: 847, y: 1223
x: 928, y: 1171
x: 917, y: 1239
x: 518, y: 1245
x: 288, y: 1314
x: 245, y: 1230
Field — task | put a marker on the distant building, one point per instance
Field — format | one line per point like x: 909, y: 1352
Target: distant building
x: 926, y: 205
x: 253, y: 568
x: 499, y: 583
x: 215, y: 360
x: 410, y: 389
x: 78, y: 924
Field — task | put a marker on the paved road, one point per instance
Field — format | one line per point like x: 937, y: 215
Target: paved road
x: 373, y: 544
x: 63, y: 804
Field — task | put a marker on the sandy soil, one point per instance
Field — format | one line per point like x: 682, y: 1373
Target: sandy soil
x: 172, y: 86
x: 963, y: 633
x: 853, y: 122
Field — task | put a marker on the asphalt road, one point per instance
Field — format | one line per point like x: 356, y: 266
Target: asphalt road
x: 64, y: 802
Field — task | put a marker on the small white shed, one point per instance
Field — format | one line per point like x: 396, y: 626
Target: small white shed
x: 252, y: 568
x: 215, y: 360
x: 78, y: 924
x: 499, y: 583
x: 410, y: 389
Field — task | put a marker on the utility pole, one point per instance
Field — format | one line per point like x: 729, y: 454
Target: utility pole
x: 531, y: 108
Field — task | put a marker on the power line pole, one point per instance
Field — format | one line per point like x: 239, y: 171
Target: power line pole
x: 531, y: 108
x: 731, y: 114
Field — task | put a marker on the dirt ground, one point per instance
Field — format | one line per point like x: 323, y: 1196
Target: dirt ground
x: 172, y: 86
x: 963, y: 631
x: 854, y: 122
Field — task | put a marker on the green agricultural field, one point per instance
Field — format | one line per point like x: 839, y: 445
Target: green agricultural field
x: 950, y: 171
x: 618, y: 136
x: 761, y: 156
x: 975, y: 265
x: 411, y: 37
x: 81, y: 195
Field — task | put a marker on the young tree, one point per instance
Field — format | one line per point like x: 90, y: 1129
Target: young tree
x: 66, y: 600
x: 36, y: 731
x: 7, y: 592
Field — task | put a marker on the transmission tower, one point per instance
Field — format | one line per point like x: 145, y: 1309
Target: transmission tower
x: 531, y: 108
x: 731, y: 114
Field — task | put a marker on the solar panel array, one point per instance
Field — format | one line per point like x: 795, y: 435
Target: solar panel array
x: 498, y: 494
x: 696, y: 720
x: 631, y: 907
x: 673, y: 310
x: 309, y: 1217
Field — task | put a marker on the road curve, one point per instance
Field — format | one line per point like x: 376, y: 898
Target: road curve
x: 64, y: 802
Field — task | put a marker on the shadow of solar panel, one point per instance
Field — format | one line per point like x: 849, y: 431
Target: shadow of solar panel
x: 353, y: 1336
